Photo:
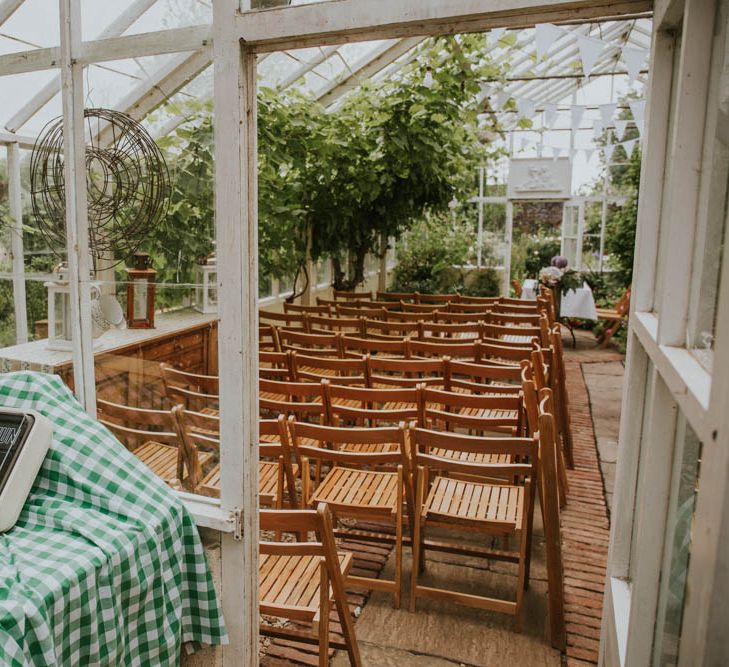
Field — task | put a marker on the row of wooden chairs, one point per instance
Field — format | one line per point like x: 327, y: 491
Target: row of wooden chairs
x: 418, y: 297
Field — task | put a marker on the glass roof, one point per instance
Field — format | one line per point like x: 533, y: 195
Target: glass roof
x: 325, y: 73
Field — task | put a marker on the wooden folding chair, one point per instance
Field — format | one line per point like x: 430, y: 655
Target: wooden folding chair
x: 200, y: 432
x: 461, y: 331
x: 305, y: 400
x: 340, y: 295
x: 362, y: 407
x: 400, y: 316
x: 268, y: 338
x: 420, y: 307
x: 373, y: 346
x: 421, y: 297
x: 503, y: 510
x: 615, y: 316
x: 319, y: 324
x: 467, y: 307
x: 320, y: 344
x: 558, y: 384
x: 389, y: 330
x: 151, y: 436
x: 192, y: 390
x: 395, y: 296
x: 353, y: 488
x: 473, y: 378
x: 352, y: 371
x: 456, y: 350
x: 477, y: 414
x: 275, y: 365
x: 288, y: 320
x: 308, y: 310
x: 361, y: 311
x: 449, y: 317
x: 300, y: 581
x: 386, y: 372
x: 505, y: 353
x: 481, y: 300
x: 512, y: 334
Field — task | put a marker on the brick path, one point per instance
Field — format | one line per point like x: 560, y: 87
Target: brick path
x: 585, y: 523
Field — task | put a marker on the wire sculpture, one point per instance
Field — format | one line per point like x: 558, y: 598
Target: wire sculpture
x: 127, y: 183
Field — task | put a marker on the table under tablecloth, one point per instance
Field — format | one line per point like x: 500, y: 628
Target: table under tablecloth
x: 105, y: 566
x: 578, y: 303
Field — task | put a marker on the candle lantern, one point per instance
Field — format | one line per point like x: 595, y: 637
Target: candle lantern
x: 141, y: 289
x: 59, y: 308
x: 206, y: 291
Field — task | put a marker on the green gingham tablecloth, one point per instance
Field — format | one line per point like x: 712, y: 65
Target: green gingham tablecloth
x: 105, y: 566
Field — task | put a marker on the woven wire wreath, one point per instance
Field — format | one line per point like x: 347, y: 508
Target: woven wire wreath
x: 127, y: 179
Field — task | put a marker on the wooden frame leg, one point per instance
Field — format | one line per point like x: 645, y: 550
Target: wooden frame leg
x: 398, y: 542
x: 324, y: 616
x: 418, y: 545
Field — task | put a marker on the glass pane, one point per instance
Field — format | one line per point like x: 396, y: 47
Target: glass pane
x: 677, y: 547
x: 709, y: 249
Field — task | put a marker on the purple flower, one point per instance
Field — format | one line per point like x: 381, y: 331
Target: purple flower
x: 560, y: 261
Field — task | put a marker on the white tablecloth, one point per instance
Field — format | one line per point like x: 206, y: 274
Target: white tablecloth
x: 529, y: 289
x: 579, y: 303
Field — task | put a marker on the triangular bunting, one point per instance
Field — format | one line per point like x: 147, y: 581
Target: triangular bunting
x: 597, y: 129
x: 628, y: 146
x: 546, y: 34
x: 589, y: 153
x: 525, y: 106
x: 637, y: 108
x: 609, y: 149
x: 576, y: 114
x: 550, y: 115
x: 633, y: 60
x: 501, y: 99
x: 590, y: 51
x: 639, y: 127
x: 607, y: 111
x: 620, y: 127
x: 495, y: 35
x: 556, y: 153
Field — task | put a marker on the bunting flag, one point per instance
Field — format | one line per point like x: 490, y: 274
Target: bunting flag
x: 597, y: 129
x: 637, y: 108
x: 556, y: 153
x: 609, y: 149
x: 633, y: 60
x: 501, y: 99
x: 546, y: 34
x: 589, y: 152
x: 550, y: 115
x: 525, y: 106
x: 495, y: 35
x: 590, y: 51
x: 639, y: 127
x: 576, y: 114
x: 620, y: 127
x: 628, y: 146
x: 607, y: 111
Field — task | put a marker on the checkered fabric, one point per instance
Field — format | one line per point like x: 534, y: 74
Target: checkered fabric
x: 105, y: 566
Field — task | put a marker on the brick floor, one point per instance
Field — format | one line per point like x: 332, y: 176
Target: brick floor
x: 585, y: 520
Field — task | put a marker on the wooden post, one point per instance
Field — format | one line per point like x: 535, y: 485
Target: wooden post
x: 16, y: 213
x: 237, y: 236
x: 382, y: 275
x: 77, y: 223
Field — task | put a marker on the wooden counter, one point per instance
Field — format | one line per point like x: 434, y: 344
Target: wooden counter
x: 127, y: 361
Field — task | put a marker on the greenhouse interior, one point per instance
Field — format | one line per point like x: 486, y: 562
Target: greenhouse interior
x: 368, y: 332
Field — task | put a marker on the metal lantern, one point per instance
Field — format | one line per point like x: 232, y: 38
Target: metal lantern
x: 206, y: 278
x: 141, y: 291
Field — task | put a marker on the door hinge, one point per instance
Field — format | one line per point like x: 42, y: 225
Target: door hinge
x: 237, y: 524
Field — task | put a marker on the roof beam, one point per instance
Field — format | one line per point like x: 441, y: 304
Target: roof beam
x: 22, y: 140
x: 320, y: 57
x: 47, y: 92
x: 366, y: 68
x: 352, y: 20
x: 7, y: 9
x: 156, y: 43
x: 160, y: 86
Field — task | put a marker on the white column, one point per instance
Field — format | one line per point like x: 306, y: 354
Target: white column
x: 580, y: 234
x: 507, y: 252
x: 77, y: 223
x: 237, y: 242
x: 16, y: 247
x: 479, y: 237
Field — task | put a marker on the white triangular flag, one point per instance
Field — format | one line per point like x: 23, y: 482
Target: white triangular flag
x: 620, y: 127
x: 589, y: 153
x: 633, y: 60
x: 501, y: 99
x: 556, y: 153
x: 628, y: 146
x: 525, y: 107
x: 590, y: 51
x: 550, y: 115
x: 597, y: 129
x: 639, y: 127
x: 495, y: 35
x: 572, y: 154
x: 637, y: 108
x: 607, y: 111
x: 576, y: 116
x: 546, y: 34
x: 609, y: 149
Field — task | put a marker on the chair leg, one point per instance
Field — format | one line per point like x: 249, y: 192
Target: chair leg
x: 418, y: 557
x: 324, y: 616
x: 398, y: 549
